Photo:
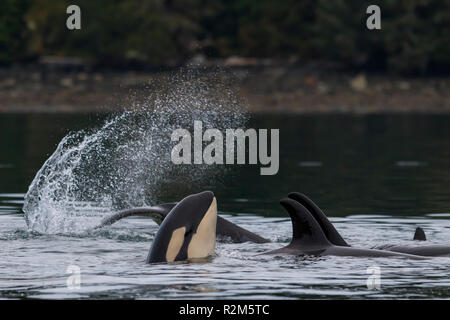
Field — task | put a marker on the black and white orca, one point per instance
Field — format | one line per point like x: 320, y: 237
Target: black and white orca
x: 336, y: 239
x: 188, y: 232
x: 309, y: 238
x: 225, y: 229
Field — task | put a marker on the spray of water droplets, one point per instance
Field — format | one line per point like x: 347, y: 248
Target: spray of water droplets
x: 126, y: 162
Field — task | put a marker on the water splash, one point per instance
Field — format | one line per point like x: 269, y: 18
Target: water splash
x: 126, y: 162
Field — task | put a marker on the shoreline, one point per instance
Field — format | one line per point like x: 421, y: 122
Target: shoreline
x: 75, y: 110
x: 271, y: 90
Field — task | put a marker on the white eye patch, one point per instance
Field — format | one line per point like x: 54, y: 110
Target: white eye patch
x: 203, y: 242
x: 176, y: 241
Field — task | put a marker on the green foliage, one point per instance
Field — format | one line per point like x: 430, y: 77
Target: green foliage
x: 12, y: 29
x: 114, y: 30
x: 271, y: 27
x: 414, y: 35
x: 342, y: 35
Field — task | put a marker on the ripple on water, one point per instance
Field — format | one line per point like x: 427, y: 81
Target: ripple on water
x: 112, y: 263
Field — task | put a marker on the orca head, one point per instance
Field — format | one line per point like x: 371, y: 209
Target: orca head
x: 188, y: 231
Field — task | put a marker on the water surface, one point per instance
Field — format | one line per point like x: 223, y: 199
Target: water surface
x: 377, y: 177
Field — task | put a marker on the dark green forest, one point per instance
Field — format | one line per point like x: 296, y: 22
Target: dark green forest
x: 414, y: 37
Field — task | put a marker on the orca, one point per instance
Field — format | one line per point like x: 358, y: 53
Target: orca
x: 309, y: 238
x: 419, y: 234
x: 328, y: 229
x: 225, y: 228
x: 238, y: 234
x: 336, y: 239
x: 188, y: 231
x: 431, y: 250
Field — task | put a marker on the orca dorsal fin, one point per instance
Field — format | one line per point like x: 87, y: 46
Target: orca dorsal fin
x: 305, y: 229
x: 330, y: 231
x: 419, y: 234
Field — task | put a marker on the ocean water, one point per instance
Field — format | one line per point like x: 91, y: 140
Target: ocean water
x: 377, y: 177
